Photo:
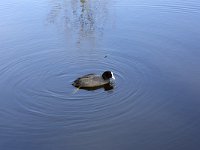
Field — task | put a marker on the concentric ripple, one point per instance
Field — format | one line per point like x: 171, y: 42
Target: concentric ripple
x: 43, y: 86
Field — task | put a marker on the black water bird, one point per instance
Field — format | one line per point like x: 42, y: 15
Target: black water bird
x: 93, y: 81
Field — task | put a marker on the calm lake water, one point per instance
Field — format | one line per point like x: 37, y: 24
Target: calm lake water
x: 153, y: 48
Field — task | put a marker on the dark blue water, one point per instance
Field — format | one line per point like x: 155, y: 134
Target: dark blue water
x: 151, y: 46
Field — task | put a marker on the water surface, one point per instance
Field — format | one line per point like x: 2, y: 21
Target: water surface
x: 152, y: 48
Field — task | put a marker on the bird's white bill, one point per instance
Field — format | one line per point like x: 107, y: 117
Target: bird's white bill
x: 113, y: 77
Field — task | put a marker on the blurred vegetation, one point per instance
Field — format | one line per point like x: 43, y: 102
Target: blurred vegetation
x: 82, y: 18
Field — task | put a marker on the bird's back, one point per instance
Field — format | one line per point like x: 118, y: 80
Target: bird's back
x: 90, y: 80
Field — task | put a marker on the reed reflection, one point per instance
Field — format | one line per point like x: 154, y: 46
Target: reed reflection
x: 82, y: 20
